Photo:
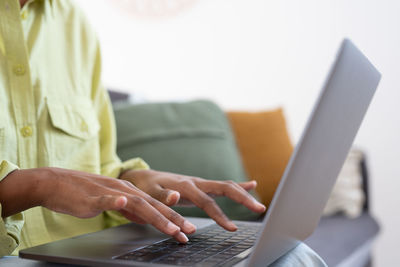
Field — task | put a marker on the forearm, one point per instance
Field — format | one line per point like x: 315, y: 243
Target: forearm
x: 19, y: 191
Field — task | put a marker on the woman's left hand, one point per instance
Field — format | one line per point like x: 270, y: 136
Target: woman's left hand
x: 174, y: 189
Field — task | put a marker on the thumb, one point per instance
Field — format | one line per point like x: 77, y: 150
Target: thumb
x: 166, y: 196
x: 110, y: 202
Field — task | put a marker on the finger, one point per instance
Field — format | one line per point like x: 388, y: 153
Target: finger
x: 151, y: 215
x: 181, y: 236
x: 92, y: 206
x: 185, y: 203
x: 132, y: 217
x: 166, y: 196
x: 233, y: 191
x: 109, y: 202
x: 206, y: 203
x: 186, y: 226
x: 248, y: 185
x: 170, y: 214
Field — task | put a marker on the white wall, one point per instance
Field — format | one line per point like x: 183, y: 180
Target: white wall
x: 258, y: 54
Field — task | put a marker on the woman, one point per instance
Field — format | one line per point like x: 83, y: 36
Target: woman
x: 57, y: 140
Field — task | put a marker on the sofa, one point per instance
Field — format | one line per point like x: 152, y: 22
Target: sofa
x: 196, y: 139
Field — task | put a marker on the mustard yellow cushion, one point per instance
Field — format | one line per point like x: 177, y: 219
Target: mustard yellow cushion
x: 265, y: 147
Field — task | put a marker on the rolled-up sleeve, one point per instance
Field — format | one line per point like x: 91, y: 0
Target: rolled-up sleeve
x: 10, y: 227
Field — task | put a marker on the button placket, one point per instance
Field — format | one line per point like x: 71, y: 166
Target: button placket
x: 20, y: 85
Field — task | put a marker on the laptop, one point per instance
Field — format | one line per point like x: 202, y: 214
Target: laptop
x: 294, y: 211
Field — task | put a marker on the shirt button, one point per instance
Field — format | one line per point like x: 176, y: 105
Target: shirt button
x: 24, y: 14
x: 19, y: 69
x: 26, y: 131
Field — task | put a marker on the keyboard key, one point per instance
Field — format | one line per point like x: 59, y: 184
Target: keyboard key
x: 200, y: 246
x: 243, y: 246
x: 236, y: 249
x: 229, y: 252
x: 213, y: 249
x: 216, y: 239
x: 185, y: 252
x: 208, y: 253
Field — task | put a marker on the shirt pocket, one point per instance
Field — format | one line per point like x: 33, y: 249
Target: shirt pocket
x: 73, y: 137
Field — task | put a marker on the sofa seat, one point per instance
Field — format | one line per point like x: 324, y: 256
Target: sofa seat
x: 341, y: 241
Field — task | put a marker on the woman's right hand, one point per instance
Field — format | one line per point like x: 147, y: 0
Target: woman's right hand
x: 86, y: 195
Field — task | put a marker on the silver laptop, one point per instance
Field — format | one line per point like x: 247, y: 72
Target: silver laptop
x: 294, y: 211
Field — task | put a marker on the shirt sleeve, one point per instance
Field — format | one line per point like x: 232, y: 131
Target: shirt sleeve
x: 10, y: 227
x: 111, y: 165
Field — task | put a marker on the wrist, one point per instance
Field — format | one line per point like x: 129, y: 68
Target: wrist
x: 39, y: 185
x: 21, y: 190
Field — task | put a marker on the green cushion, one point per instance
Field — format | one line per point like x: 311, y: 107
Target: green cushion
x: 192, y: 138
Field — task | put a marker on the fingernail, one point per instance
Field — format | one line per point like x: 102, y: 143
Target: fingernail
x: 181, y: 237
x: 172, y: 228
x: 123, y: 201
x: 260, y: 205
x: 188, y: 227
x: 170, y: 195
x: 232, y: 226
x: 170, y: 198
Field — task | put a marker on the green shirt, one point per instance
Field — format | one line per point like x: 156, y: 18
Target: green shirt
x: 53, y: 112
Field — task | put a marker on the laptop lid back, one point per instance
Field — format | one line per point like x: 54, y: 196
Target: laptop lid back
x: 318, y: 158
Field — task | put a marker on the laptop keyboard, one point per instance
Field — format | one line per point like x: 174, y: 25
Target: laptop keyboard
x: 213, y: 246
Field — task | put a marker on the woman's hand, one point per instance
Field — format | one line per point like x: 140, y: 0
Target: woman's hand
x: 172, y: 189
x: 86, y: 195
